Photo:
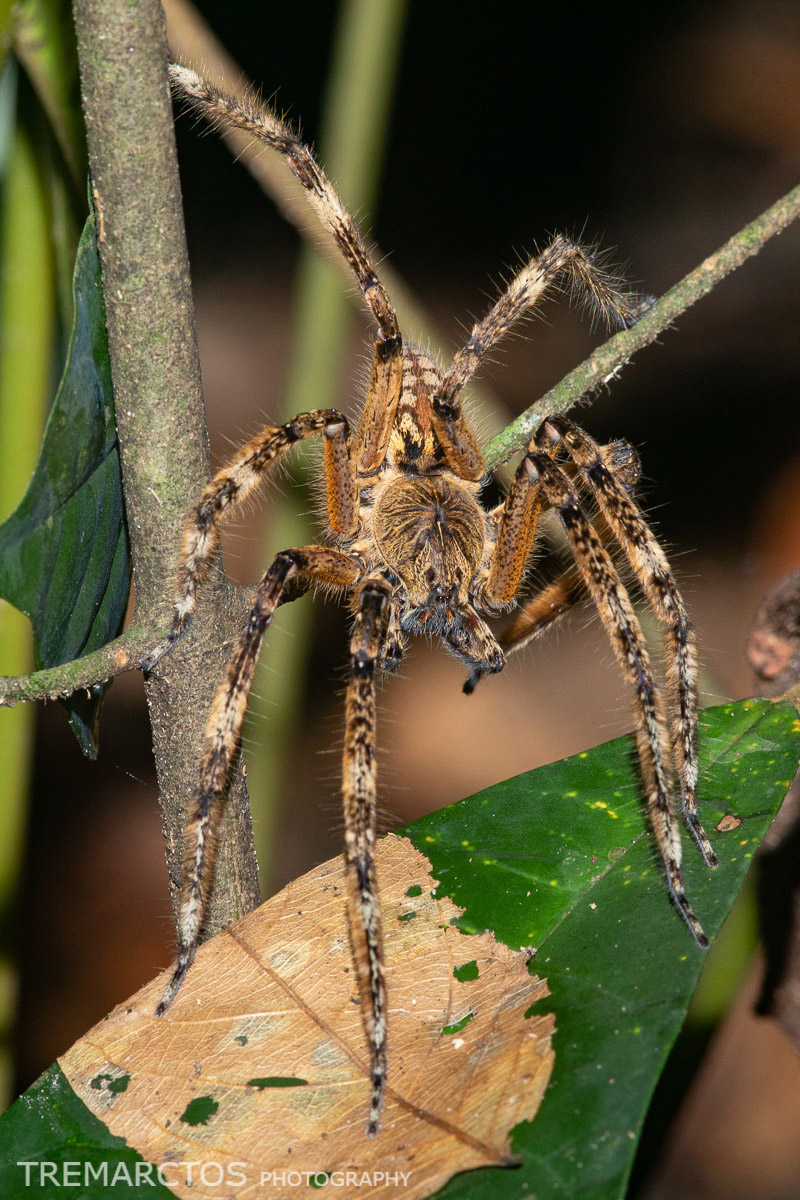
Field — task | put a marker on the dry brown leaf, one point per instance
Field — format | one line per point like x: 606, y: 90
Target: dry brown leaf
x: 273, y: 999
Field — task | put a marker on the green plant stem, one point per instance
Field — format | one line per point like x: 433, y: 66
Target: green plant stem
x: 356, y: 110
x: 605, y: 362
x: 44, y: 44
x: 27, y: 304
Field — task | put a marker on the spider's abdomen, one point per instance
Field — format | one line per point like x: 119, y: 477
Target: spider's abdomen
x: 430, y: 530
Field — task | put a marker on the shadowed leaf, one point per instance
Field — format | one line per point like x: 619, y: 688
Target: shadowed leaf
x: 64, y: 551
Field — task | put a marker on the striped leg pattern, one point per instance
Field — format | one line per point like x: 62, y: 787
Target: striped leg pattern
x: 651, y: 568
x: 316, y: 564
x: 359, y: 778
x: 619, y: 619
x: 237, y: 480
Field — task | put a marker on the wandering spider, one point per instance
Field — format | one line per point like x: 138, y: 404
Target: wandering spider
x: 416, y: 553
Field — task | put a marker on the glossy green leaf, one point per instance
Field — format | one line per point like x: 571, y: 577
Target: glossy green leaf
x: 558, y: 858
x: 64, y: 551
x: 561, y: 859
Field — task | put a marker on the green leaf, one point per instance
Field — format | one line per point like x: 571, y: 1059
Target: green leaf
x: 559, y: 858
x: 50, y: 1129
x: 64, y: 551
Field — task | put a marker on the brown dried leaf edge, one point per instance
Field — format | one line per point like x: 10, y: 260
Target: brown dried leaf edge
x: 257, y: 1079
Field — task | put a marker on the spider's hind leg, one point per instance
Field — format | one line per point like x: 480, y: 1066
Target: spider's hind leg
x: 313, y: 564
x: 652, y: 570
x: 616, y: 612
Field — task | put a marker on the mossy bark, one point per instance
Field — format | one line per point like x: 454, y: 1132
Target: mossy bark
x: 162, y: 431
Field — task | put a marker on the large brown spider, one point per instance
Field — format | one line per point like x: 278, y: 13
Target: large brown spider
x: 416, y: 553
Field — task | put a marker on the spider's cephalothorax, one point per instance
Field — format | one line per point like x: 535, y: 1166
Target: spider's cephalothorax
x: 416, y: 553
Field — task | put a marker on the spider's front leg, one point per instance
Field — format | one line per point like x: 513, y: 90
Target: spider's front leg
x: 359, y: 800
x: 312, y: 564
x: 509, y: 556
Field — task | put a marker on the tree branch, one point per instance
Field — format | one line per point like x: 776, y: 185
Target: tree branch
x: 605, y: 362
x: 160, y: 419
x: 53, y: 683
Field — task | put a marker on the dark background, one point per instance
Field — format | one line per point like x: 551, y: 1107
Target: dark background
x: 660, y: 131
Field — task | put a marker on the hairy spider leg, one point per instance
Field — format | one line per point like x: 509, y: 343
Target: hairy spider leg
x: 589, y: 279
x: 508, y: 555
x: 650, y: 566
x: 235, y: 482
x: 619, y: 619
x: 226, y: 112
x: 367, y: 646
x: 258, y: 119
x: 316, y: 564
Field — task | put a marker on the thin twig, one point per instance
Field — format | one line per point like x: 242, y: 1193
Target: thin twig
x: 606, y: 361
x: 53, y: 683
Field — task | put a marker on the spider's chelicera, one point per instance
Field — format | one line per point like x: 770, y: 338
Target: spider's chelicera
x: 414, y: 552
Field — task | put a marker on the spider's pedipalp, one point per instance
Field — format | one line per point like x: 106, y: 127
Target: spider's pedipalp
x: 359, y: 800
x: 649, y: 564
x: 622, y: 625
x: 221, y: 742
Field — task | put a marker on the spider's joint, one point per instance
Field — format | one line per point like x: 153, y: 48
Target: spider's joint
x: 446, y: 406
x: 388, y: 344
